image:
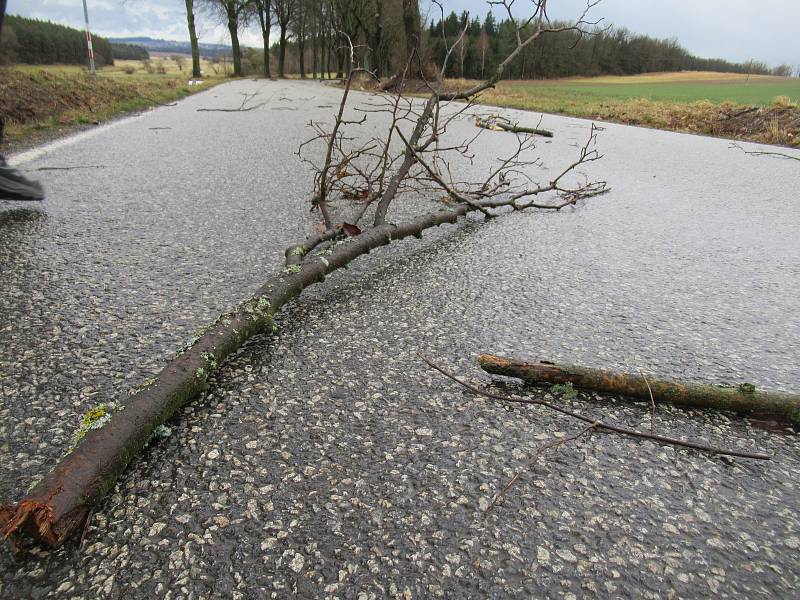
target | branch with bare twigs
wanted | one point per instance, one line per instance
(594, 422)
(356, 174)
(783, 155)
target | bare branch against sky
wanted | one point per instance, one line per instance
(736, 30)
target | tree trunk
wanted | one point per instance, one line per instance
(743, 399)
(267, 73)
(264, 20)
(314, 56)
(377, 52)
(327, 49)
(340, 65)
(233, 28)
(193, 39)
(412, 25)
(282, 53)
(301, 51)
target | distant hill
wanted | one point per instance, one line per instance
(173, 47)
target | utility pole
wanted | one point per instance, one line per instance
(90, 52)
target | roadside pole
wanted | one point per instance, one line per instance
(90, 52)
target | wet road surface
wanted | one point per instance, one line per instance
(328, 460)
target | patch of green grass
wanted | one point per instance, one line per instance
(565, 391)
(757, 92)
(694, 102)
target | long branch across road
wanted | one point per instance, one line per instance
(328, 457)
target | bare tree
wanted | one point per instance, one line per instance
(193, 39)
(299, 26)
(284, 13)
(412, 23)
(484, 44)
(358, 178)
(233, 13)
(263, 11)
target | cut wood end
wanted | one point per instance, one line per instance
(31, 517)
(490, 360)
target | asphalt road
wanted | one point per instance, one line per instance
(328, 460)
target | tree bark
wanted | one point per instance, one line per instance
(282, 52)
(412, 25)
(743, 399)
(193, 39)
(59, 504)
(265, 22)
(233, 28)
(314, 56)
(301, 53)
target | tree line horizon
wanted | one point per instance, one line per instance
(310, 43)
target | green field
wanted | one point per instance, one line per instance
(666, 87)
(688, 101)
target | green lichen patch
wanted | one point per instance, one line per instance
(565, 390)
(747, 388)
(162, 431)
(145, 384)
(292, 270)
(94, 418)
(298, 251)
(210, 361)
(258, 308)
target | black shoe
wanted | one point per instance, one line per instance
(15, 186)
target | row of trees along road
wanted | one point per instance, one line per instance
(383, 32)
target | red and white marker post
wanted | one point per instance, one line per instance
(90, 51)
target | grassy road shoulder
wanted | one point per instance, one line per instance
(751, 108)
(40, 103)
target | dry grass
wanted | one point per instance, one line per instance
(784, 102)
(38, 102)
(668, 77)
(671, 101)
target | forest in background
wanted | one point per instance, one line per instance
(32, 41)
(302, 38)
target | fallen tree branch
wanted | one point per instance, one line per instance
(71, 168)
(57, 505)
(354, 169)
(500, 124)
(599, 424)
(742, 399)
(764, 153)
(249, 108)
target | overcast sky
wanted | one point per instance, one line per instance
(737, 30)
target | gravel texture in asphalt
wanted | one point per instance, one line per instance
(327, 460)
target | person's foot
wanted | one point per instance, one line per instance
(15, 186)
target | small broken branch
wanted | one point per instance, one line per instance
(71, 168)
(249, 108)
(599, 424)
(764, 153)
(539, 451)
(499, 124)
(742, 399)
